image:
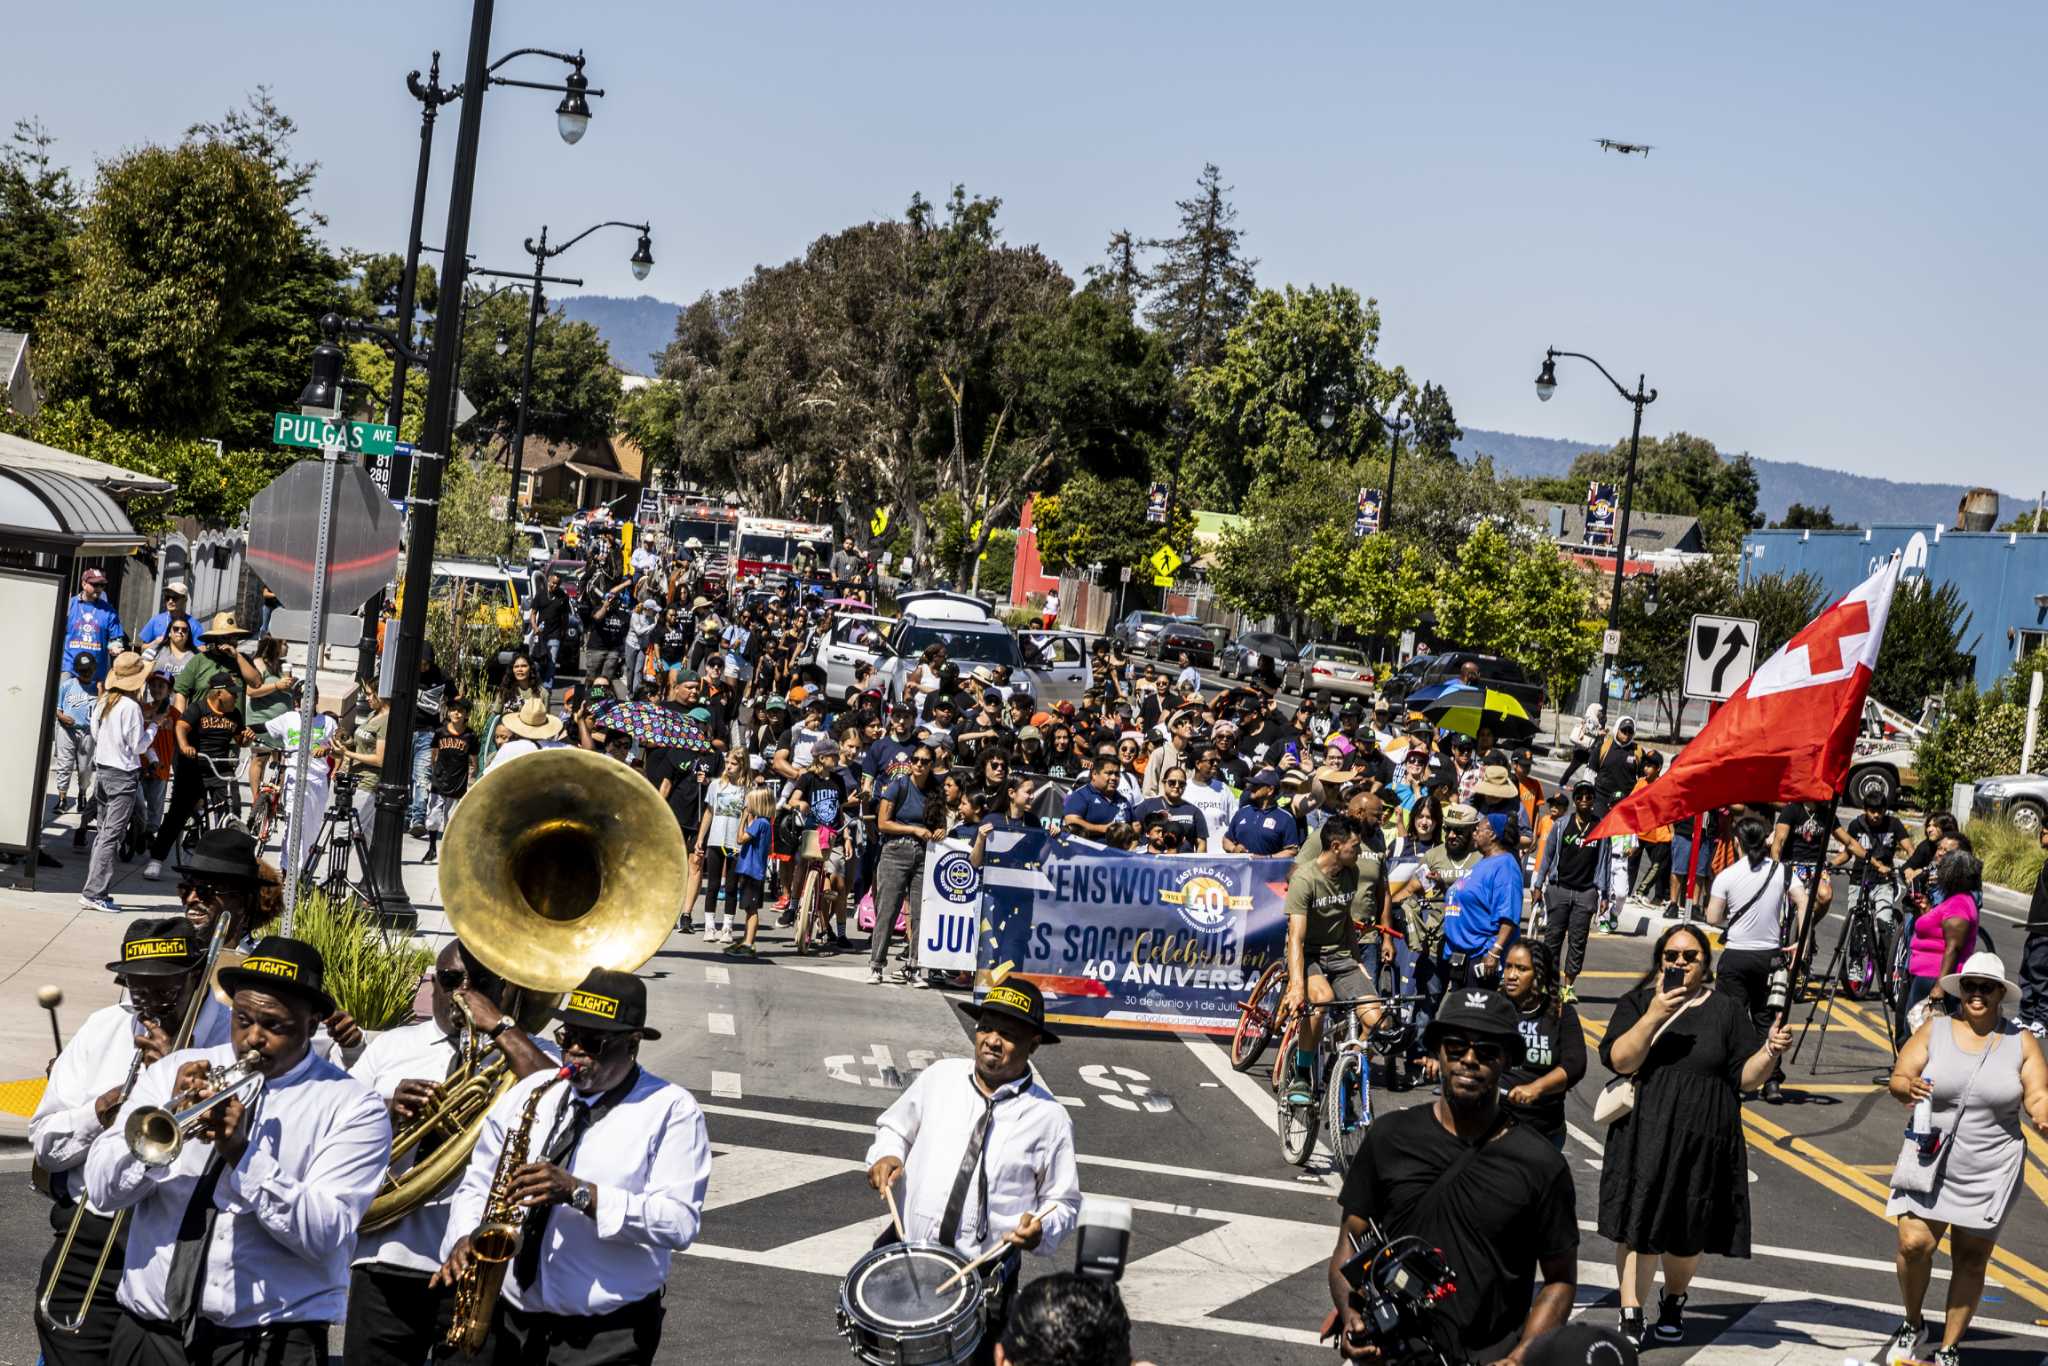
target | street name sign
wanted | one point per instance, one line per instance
(316, 433)
(1719, 654)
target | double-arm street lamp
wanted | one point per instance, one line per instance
(642, 262)
(1643, 397)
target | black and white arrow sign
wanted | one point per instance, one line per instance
(1720, 654)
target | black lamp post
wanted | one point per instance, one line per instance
(642, 262)
(1394, 427)
(438, 430)
(1643, 397)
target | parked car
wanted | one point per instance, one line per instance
(1179, 638)
(539, 542)
(1254, 651)
(1503, 675)
(2021, 798)
(1059, 665)
(829, 658)
(1322, 670)
(1139, 630)
(968, 628)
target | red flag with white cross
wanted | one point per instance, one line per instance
(1788, 732)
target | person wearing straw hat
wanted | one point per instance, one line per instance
(239, 1246)
(1969, 1081)
(215, 666)
(983, 1151)
(121, 737)
(159, 966)
(603, 1216)
(533, 727)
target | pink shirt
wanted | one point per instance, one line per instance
(1927, 937)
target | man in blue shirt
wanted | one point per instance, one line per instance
(92, 626)
(1260, 827)
(1482, 911)
(1093, 810)
(158, 626)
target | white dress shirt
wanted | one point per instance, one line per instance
(650, 1160)
(120, 737)
(1030, 1155)
(318, 1143)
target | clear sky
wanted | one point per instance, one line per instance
(1833, 255)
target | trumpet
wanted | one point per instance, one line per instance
(156, 1135)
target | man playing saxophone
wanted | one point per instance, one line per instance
(395, 1318)
(160, 967)
(244, 1217)
(614, 1187)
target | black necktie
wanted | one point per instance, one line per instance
(526, 1263)
(973, 1170)
(195, 1235)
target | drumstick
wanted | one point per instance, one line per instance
(998, 1250)
(895, 1215)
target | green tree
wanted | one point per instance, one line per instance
(575, 393)
(1554, 634)
(1092, 520)
(1374, 585)
(1656, 622)
(1781, 605)
(1978, 734)
(1800, 517)
(1680, 474)
(1473, 607)
(1922, 653)
(1203, 285)
(213, 487)
(651, 416)
(38, 219)
(368, 362)
(1436, 430)
(468, 525)
(378, 277)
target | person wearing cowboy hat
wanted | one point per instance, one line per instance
(1968, 1080)
(240, 1245)
(983, 1151)
(159, 965)
(533, 727)
(121, 739)
(604, 1216)
(1500, 1204)
(1498, 801)
(215, 666)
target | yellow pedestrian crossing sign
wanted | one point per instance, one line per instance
(879, 523)
(1164, 562)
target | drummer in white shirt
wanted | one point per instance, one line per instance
(239, 1247)
(983, 1148)
(159, 965)
(604, 1216)
(395, 1318)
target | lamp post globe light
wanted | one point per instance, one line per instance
(1643, 397)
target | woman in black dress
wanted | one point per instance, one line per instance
(1550, 1053)
(1674, 1180)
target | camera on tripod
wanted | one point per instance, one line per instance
(1396, 1285)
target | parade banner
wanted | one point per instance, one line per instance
(1600, 509)
(1155, 504)
(1368, 520)
(1132, 941)
(950, 908)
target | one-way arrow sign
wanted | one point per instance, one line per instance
(1720, 654)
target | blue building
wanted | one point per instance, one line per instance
(2002, 577)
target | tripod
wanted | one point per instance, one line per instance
(1833, 983)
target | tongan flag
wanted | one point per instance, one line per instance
(1788, 732)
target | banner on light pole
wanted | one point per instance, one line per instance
(1368, 520)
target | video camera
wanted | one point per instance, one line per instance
(1396, 1285)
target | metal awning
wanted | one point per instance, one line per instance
(19, 453)
(53, 511)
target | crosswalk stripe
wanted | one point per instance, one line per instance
(739, 1174)
(1189, 1281)
(720, 1022)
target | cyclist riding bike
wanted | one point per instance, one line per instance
(1873, 841)
(1322, 946)
(1800, 838)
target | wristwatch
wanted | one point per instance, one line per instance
(583, 1198)
(498, 1029)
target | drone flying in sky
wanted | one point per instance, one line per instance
(1610, 145)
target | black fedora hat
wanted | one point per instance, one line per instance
(158, 948)
(283, 967)
(609, 1002)
(224, 856)
(1013, 998)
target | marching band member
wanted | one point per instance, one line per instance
(240, 1244)
(603, 1216)
(394, 1317)
(159, 965)
(983, 1147)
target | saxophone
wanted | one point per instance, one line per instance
(496, 1239)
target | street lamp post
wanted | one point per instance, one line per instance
(1394, 427)
(438, 430)
(1643, 397)
(542, 253)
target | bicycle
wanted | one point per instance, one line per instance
(220, 808)
(1258, 1017)
(1865, 946)
(1340, 1079)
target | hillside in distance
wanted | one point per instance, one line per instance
(637, 330)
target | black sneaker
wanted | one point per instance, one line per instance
(1670, 1318)
(1774, 1092)
(1631, 1327)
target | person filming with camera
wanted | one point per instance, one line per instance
(1488, 1193)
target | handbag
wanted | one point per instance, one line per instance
(1618, 1097)
(1918, 1172)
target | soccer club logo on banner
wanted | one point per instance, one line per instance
(1203, 901)
(957, 879)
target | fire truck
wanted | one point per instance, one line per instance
(769, 545)
(714, 523)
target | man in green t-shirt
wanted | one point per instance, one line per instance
(1322, 944)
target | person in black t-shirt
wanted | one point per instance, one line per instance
(448, 771)
(1467, 1178)
(1800, 838)
(1614, 766)
(1549, 1057)
(1872, 845)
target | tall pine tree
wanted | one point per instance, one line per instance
(1204, 284)
(38, 218)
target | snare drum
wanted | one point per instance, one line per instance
(892, 1313)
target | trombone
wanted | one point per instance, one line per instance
(76, 1323)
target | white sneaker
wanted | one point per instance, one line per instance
(1904, 1344)
(875, 977)
(153, 870)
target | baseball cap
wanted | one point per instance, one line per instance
(1474, 1011)
(92, 576)
(1460, 816)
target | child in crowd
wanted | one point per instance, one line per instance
(448, 772)
(753, 864)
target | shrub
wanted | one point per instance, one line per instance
(373, 976)
(2012, 856)
(1979, 734)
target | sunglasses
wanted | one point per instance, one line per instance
(591, 1041)
(1979, 986)
(207, 891)
(1483, 1050)
(450, 979)
(1681, 955)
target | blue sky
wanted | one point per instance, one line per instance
(1833, 254)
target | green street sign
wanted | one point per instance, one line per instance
(314, 433)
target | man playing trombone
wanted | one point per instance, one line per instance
(248, 1167)
(395, 1318)
(160, 967)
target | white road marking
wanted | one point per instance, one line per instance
(718, 976)
(739, 1173)
(1885, 1312)
(726, 1085)
(1191, 1280)
(1128, 1164)
(1800, 1254)
(1245, 1089)
(720, 1022)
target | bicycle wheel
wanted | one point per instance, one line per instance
(1297, 1131)
(1283, 1064)
(1859, 959)
(1347, 1106)
(1258, 1018)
